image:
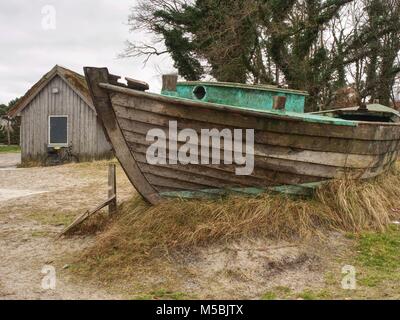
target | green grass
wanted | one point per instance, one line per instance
(380, 251)
(314, 295)
(379, 258)
(276, 293)
(269, 296)
(376, 258)
(53, 218)
(9, 149)
(40, 234)
(162, 294)
(285, 293)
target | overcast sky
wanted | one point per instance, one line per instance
(87, 33)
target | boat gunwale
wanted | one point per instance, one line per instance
(243, 86)
(286, 116)
(276, 114)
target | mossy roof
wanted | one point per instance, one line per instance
(76, 81)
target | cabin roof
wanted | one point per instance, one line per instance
(380, 108)
(372, 107)
(76, 81)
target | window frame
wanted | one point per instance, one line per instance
(49, 132)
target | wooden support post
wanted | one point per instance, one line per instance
(169, 82)
(111, 202)
(112, 188)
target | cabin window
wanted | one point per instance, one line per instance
(58, 131)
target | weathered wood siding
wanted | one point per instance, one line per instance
(84, 130)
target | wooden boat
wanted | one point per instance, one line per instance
(290, 148)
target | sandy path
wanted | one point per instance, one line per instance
(31, 202)
(8, 160)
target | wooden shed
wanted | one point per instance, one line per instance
(58, 112)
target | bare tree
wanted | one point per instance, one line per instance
(7, 128)
(320, 46)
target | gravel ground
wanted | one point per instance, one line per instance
(9, 160)
(34, 203)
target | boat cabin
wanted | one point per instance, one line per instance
(268, 98)
(259, 97)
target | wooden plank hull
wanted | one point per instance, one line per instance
(287, 150)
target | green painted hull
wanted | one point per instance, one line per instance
(306, 189)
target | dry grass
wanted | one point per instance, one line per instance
(94, 225)
(140, 234)
(30, 163)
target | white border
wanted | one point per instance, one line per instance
(48, 132)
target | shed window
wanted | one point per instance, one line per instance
(58, 130)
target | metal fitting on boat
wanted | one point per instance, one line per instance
(279, 103)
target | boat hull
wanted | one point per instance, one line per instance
(288, 151)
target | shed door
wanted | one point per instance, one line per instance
(58, 131)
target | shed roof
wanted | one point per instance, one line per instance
(76, 81)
